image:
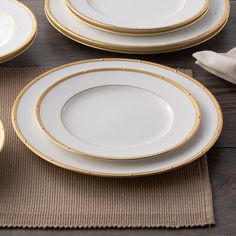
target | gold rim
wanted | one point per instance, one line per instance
(134, 49)
(123, 30)
(2, 136)
(23, 49)
(160, 51)
(28, 42)
(191, 159)
(178, 86)
(110, 31)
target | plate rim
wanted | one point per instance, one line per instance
(29, 41)
(136, 49)
(20, 51)
(172, 82)
(59, 164)
(127, 30)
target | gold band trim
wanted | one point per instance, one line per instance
(134, 49)
(178, 86)
(28, 42)
(57, 163)
(123, 30)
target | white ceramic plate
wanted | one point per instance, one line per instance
(68, 24)
(118, 113)
(26, 126)
(132, 16)
(18, 28)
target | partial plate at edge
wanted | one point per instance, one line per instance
(118, 113)
(18, 28)
(2, 136)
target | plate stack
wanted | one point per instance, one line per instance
(18, 29)
(131, 26)
(117, 117)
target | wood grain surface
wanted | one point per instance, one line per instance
(53, 49)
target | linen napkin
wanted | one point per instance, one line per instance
(222, 65)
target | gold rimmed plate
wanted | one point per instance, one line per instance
(152, 17)
(29, 132)
(118, 114)
(207, 27)
(18, 28)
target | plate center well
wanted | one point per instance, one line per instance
(137, 11)
(117, 116)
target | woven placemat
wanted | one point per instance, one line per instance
(37, 194)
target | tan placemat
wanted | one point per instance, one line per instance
(37, 194)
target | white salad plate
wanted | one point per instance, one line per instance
(68, 24)
(139, 16)
(26, 126)
(118, 113)
(18, 29)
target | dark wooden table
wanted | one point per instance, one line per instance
(53, 49)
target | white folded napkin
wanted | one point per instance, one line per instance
(222, 65)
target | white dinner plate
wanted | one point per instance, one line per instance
(139, 17)
(118, 113)
(18, 28)
(68, 24)
(26, 126)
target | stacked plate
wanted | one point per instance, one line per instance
(117, 117)
(131, 26)
(18, 29)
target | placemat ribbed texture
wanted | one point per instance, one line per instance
(37, 194)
